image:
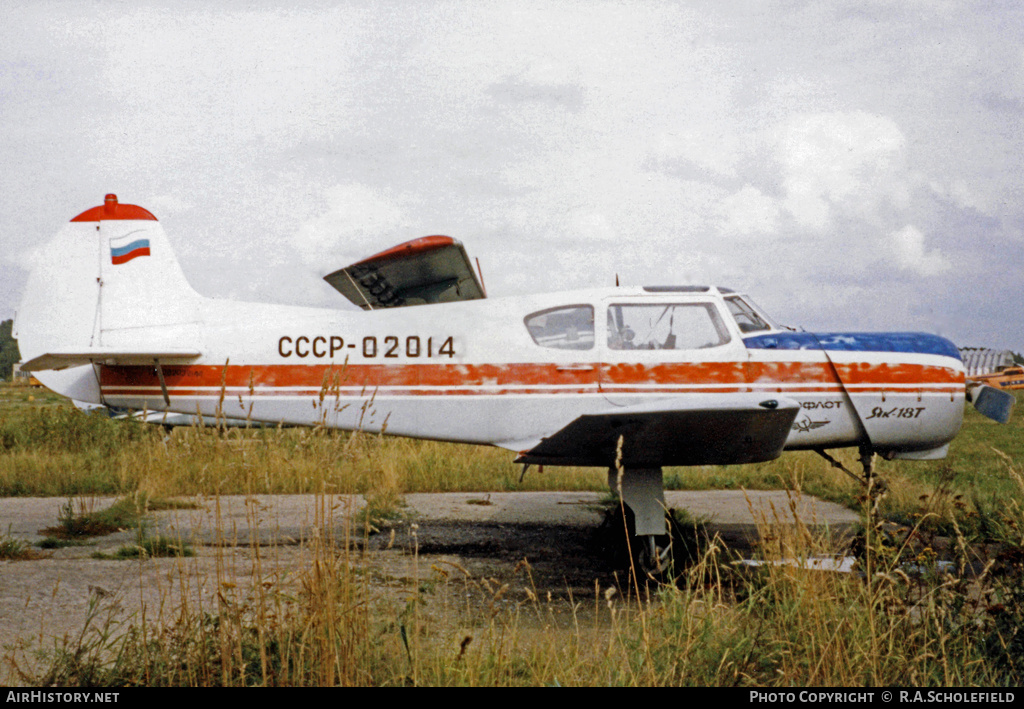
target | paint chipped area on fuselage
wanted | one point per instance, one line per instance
(844, 396)
(469, 379)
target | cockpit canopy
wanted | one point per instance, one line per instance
(747, 316)
(649, 324)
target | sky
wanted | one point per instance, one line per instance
(851, 165)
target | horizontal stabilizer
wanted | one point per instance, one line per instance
(106, 355)
(432, 269)
(673, 432)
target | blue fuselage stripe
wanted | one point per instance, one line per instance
(910, 342)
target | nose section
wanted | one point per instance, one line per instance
(906, 387)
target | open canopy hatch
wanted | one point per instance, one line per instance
(431, 269)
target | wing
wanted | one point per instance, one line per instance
(673, 432)
(62, 359)
(432, 269)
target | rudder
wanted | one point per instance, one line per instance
(108, 279)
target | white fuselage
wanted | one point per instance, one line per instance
(502, 371)
(472, 372)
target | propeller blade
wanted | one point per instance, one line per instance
(994, 403)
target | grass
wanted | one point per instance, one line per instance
(78, 521)
(58, 543)
(336, 622)
(50, 449)
(12, 549)
(149, 548)
(778, 626)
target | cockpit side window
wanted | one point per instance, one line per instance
(678, 326)
(745, 316)
(565, 328)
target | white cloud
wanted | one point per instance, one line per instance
(749, 211)
(963, 195)
(185, 85)
(166, 204)
(851, 162)
(357, 222)
(908, 249)
(562, 142)
(700, 147)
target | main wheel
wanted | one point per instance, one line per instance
(654, 557)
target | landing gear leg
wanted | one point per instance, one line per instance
(875, 487)
(642, 490)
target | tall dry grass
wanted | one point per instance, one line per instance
(780, 624)
(907, 621)
(898, 620)
(47, 449)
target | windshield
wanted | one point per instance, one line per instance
(746, 316)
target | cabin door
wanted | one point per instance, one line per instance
(661, 347)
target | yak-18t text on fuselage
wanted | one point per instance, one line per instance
(627, 378)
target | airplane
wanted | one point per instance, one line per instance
(629, 378)
(1006, 378)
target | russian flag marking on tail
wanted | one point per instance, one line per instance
(126, 252)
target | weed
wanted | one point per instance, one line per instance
(12, 549)
(148, 548)
(57, 543)
(77, 520)
(899, 620)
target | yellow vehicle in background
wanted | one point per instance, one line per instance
(20, 378)
(1009, 378)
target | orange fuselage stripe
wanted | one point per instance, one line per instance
(462, 378)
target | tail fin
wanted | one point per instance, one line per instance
(108, 281)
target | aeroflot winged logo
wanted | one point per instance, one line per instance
(125, 249)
